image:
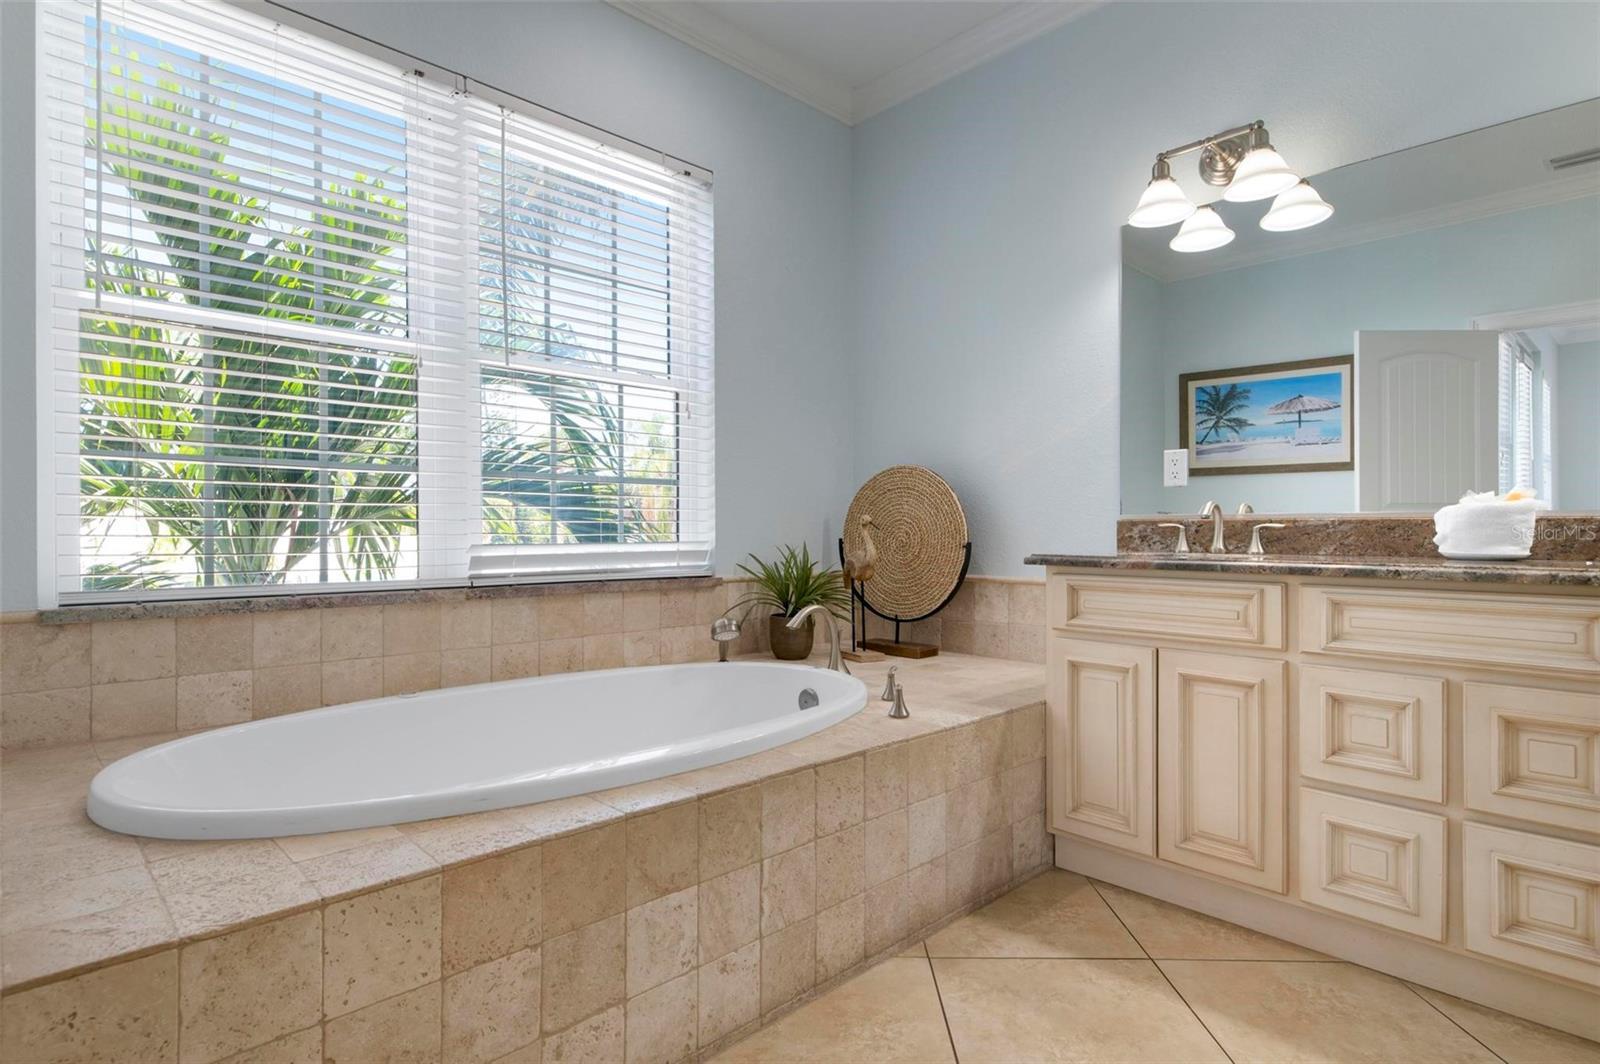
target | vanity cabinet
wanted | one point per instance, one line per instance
(1423, 761)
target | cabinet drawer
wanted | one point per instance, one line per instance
(1374, 861)
(1533, 753)
(1226, 612)
(1532, 900)
(1376, 730)
(1529, 632)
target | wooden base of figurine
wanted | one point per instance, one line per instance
(901, 650)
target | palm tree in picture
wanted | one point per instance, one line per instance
(1218, 410)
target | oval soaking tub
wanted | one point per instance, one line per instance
(463, 749)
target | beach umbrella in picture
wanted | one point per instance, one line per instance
(1300, 406)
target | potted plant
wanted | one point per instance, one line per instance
(786, 587)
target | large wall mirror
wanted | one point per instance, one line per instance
(1439, 333)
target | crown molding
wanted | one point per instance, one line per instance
(701, 28)
(1016, 24)
(1543, 194)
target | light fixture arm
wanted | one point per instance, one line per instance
(1258, 127)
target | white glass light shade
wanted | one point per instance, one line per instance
(1203, 231)
(1163, 203)
(1298, 207)
(1260, 174)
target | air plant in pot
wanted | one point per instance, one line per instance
(786, 587)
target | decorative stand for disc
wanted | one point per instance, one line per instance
(895, 647)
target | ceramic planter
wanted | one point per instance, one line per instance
(789, 644)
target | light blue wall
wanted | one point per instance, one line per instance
(782, 217)
(1577, 403)
(17, 268)
(1311, 306)
(988, 212)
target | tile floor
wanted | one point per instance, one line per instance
(1065, 969)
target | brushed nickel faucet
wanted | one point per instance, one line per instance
(1255, 536)
(835, 662)
(1213, 511)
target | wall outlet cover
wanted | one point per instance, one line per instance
(1174, 468)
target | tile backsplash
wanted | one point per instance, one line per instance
(111, 675)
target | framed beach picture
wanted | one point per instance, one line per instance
(1287, 417)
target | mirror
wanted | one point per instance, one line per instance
(1439, 333)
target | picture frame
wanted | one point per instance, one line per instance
(1279, 417)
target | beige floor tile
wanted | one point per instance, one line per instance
(1061, 1010)
(888, 1013)
(1516, 1040)
(1057, 914)
(1173, 932)
(1284, 1011)
(918, 950)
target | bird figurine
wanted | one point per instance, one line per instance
(860, 564)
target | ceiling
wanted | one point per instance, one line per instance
(853, 58)
(1488, 171)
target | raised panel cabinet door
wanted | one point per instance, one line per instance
(1532, 900)
(1533, 753)
(1221, 782)
(1102, 723)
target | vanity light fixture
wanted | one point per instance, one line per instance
(1204, 230)
(1297, 207)
(1163, 202)
(1261, 173)
(1243, 163)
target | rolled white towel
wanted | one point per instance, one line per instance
(1483, 523)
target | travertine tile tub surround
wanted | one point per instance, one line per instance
(654, 922)
(97, 673)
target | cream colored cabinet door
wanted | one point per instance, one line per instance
(1102, 742)
(1221, 741)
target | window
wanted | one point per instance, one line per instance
(1517, 359)
(317, 319)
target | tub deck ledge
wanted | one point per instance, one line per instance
(77, 897)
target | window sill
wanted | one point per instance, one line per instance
(206, 607)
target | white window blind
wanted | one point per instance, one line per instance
(1516, 449)
(318, 319)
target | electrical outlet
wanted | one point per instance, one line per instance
(1174, 468)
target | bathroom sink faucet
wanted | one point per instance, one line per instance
(1213, 511)
(835, 662)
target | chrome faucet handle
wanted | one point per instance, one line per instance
(1255, 536)
(1183, 535)
(891, 686)
(1245, 508)
(899, 711)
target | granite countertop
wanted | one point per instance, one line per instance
(1528, 572)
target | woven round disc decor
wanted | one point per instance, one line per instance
(920, 531)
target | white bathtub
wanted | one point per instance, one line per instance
(463, 750)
